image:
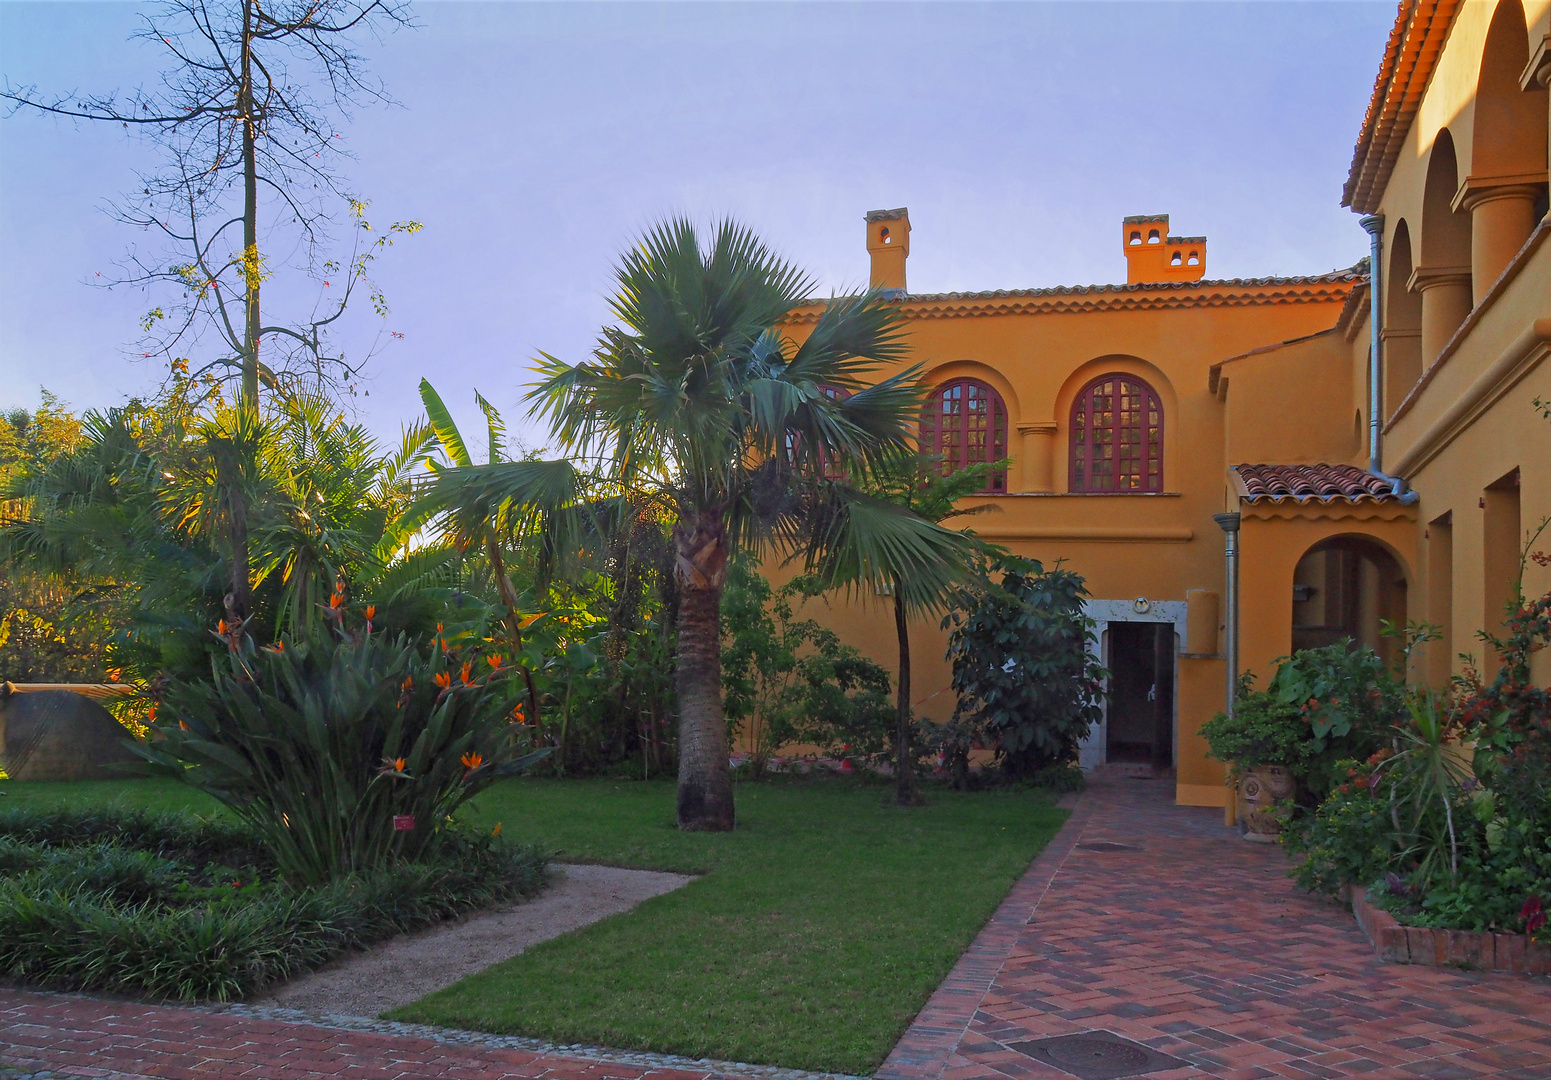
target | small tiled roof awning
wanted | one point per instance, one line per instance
(1302, 483)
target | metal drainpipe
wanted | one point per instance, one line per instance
(1229, 523)
(1373, 224)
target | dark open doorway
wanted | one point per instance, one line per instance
(1141, 694)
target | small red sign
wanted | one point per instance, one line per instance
(403, 822)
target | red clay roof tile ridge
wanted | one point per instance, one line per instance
(1301, 483)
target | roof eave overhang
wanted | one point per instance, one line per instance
(1411, 54)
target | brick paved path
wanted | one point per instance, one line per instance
(1198, 946)
(65, 1035)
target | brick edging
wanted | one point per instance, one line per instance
(1476, 950)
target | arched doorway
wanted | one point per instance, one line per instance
(1344, 588)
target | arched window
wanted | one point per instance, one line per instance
(1117, 436)
(966, 423)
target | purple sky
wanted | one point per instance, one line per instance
(535, 140)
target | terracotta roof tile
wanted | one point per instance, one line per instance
(1326, 483)
(1415, 42)
(1233, 292)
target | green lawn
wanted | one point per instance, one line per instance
(819, 928)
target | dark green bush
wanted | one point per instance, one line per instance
(1021, 666)
(1262, 731)
(99, 913)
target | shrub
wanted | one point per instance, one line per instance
(789, 680)
(1349, 700)
(1350, 839)
(1021, 665)
(106, 911)
(345, 750)
(1263, 730)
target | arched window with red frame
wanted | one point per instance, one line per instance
(965, 422)
(1117, 436)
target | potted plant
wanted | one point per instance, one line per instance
(1266, 744)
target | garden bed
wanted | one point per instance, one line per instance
(1475, 950)
(169, 906)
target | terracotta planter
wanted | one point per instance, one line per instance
(1261, 787)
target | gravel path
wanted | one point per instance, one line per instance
(406, 969)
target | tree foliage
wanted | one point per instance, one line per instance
(1021, 665)
(698, 401)
(245, 120)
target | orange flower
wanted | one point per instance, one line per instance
(371, 612)
(472, 760)
(408, 683)
(494, 662)
(518, 717)
(443, 679)
(438, 628)
(336, 600)
(466, 674)
(220, 628)
(497, 830)
(278, 646)
(152, 714)
(182, 725)
(399, 763)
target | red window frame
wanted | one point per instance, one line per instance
(966, 423)
(1116, 436)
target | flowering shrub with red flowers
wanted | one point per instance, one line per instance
(345, 749)
(1450, 825)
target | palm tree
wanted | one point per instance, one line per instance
(919, 485)
(697, 397)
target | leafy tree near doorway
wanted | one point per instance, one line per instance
(698, 398)
(1021, 665)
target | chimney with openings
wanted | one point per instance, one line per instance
(1153, 255)
(888, 243)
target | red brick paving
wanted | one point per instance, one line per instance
(1199, 946)
(88, 1037)
(1196, 945)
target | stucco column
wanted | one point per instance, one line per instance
(1502, 215)
(1039, 450)
(1446, 300)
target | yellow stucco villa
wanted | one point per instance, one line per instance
(1242, 468)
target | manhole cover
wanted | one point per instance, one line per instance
(1097, 1055)
(1104, 845)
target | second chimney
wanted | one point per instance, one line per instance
(1153, 255)
(888, 243)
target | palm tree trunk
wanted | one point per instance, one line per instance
(705, 780)
(513, 620)
(905, 793)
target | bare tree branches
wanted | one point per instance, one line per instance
(246, 117)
